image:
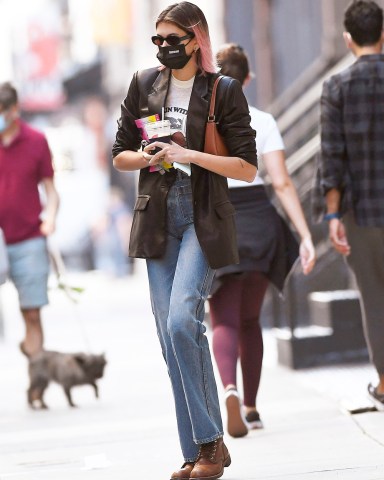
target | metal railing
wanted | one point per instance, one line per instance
(299, 126)
(298, 111)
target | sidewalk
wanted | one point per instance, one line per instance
(130, 432)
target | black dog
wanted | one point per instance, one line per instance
(67, 369)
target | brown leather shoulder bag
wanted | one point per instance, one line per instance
(214, 142)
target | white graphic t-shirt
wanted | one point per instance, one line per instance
(176, 110)
(176, 107)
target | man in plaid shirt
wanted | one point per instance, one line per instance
(352, 170)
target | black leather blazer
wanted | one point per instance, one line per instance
(213, 212)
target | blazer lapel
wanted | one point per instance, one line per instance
(197, 110)
(198, 113)
(158, 94)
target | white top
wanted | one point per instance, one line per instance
(176, 107)
(268, 139)
(176, 110)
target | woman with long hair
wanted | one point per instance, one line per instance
(183, 223)
(267, 252)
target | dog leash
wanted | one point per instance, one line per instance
(71, 292)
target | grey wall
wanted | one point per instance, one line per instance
(239, 26)
(296, 30)
(284, 38)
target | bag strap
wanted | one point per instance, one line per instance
(211, 114)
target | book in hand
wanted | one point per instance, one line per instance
(155, 130)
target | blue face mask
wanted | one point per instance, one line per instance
(3, 123)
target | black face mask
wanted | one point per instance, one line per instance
(175, 57)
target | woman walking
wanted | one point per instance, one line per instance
(183, 224)
(267, 252)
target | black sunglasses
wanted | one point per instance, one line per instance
(172, 39)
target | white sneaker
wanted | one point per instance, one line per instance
(236, 425)
(253, 420)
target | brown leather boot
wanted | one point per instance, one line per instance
(212, 459)
(184, 472)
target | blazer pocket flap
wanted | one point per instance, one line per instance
(141, 202)
(225, 209)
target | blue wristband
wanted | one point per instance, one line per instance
(330, 216)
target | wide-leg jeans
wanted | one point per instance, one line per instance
(179, 284)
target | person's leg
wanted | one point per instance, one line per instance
(367, 262)
(179, 284)
(191, 286)
(251, 343)
(251, 340)
(381, 384)
(225, 308)
(34, 338)
(29, 269)
(192, 282)
(161, 274)
(235, 310)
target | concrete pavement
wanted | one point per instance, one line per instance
(130, 432)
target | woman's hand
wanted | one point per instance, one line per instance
(170, 152)
(232, 167)
(307, 255)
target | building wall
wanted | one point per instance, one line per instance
(240, 28)
(296, 31)
(289, 42)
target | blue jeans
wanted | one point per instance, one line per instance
(179, 284)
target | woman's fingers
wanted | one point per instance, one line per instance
(170, 152)
(154, 145)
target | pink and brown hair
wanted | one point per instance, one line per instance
(190, 18)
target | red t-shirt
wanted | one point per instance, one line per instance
(23, 165)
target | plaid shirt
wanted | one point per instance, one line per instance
(352, 138)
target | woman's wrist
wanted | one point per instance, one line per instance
(193, 157)
(306, 237)
(146, 156)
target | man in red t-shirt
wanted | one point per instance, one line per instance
(26, 163)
